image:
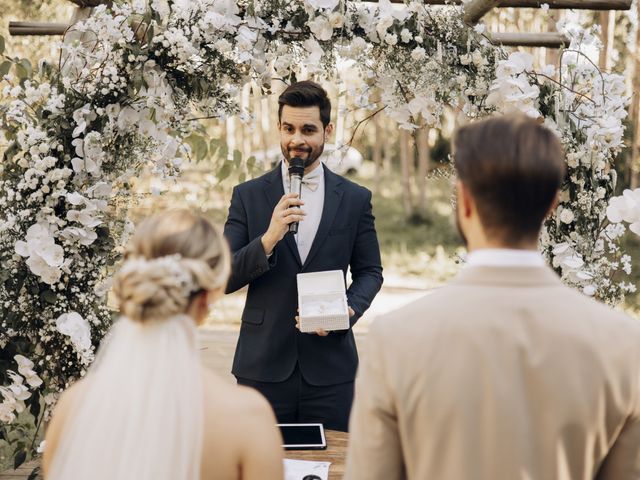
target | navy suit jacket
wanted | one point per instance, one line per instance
(269, 345)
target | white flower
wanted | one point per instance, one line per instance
(322, 4)
(480, 28)
(405, 35)
(321, 28)
(336, 20)
(41, 447)
(77, 328)
(589, 290)
(391, 39)
(25, 368)
(44, 256)
(567, 216)
(418, 54)
(6, 413)
(82, 117)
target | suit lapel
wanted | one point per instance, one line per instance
(275, 191)
(332, 197)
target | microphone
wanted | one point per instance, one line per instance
(296, 172)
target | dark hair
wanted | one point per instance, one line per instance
(513, 167)
(306, 94)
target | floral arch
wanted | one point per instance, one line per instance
(122, 98)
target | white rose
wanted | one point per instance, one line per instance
(405, 35)
(566, 216)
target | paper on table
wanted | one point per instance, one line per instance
(298, 469)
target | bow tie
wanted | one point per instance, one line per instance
(311, 181)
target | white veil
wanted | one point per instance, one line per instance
(141, 412)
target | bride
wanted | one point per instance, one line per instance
(148, 409)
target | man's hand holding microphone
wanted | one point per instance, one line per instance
(287, 213)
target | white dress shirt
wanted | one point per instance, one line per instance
(505, 257)
(313, 205)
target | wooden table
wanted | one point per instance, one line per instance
(336, 453)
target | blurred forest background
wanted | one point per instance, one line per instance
(409, 174)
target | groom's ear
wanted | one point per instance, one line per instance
(328, 130)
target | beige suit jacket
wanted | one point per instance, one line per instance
(504, 374)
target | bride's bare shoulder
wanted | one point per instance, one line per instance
(234, 397)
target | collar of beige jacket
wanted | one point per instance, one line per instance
(507, 276)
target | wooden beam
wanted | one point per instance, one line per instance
(548, 40)
(37, 28)
(476, 9)
(555, 4)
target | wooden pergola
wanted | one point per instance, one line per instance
(474, 11)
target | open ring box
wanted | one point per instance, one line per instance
(322, 301)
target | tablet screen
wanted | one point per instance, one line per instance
(303, 435)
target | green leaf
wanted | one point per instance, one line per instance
(21, 72)
(150, 33)
(19, 458)
(251, 162)
(35, 407)
(10, 152)
(27, 66)
(49, 297)
(237, 157)
(198, 146)
(1, 44)
(225, 170)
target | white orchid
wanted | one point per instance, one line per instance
(44, 256)
(321, 28)
(82, 117)
(73, 325)
(25, 368)
(626, 208)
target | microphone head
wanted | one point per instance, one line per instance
(296, 166)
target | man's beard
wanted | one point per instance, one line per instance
(311, 155)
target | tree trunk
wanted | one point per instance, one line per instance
(422, 141)
(406, 167)
(376, 148)
(387, 154)
(607, 23)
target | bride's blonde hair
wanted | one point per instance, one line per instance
(171, 257)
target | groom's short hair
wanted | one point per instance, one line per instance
(513, 166)
(306, 94)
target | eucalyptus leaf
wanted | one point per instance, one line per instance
(1, 44)
(5, 67)
(198, 146)
(225, 170)
(21, 71)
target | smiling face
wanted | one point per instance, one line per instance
(302, 134)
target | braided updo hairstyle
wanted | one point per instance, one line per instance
(172, 257)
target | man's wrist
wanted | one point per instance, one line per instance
(267, 244)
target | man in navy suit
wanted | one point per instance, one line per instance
(306, 377)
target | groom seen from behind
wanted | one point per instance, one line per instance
(306, 377)
(505, 373)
